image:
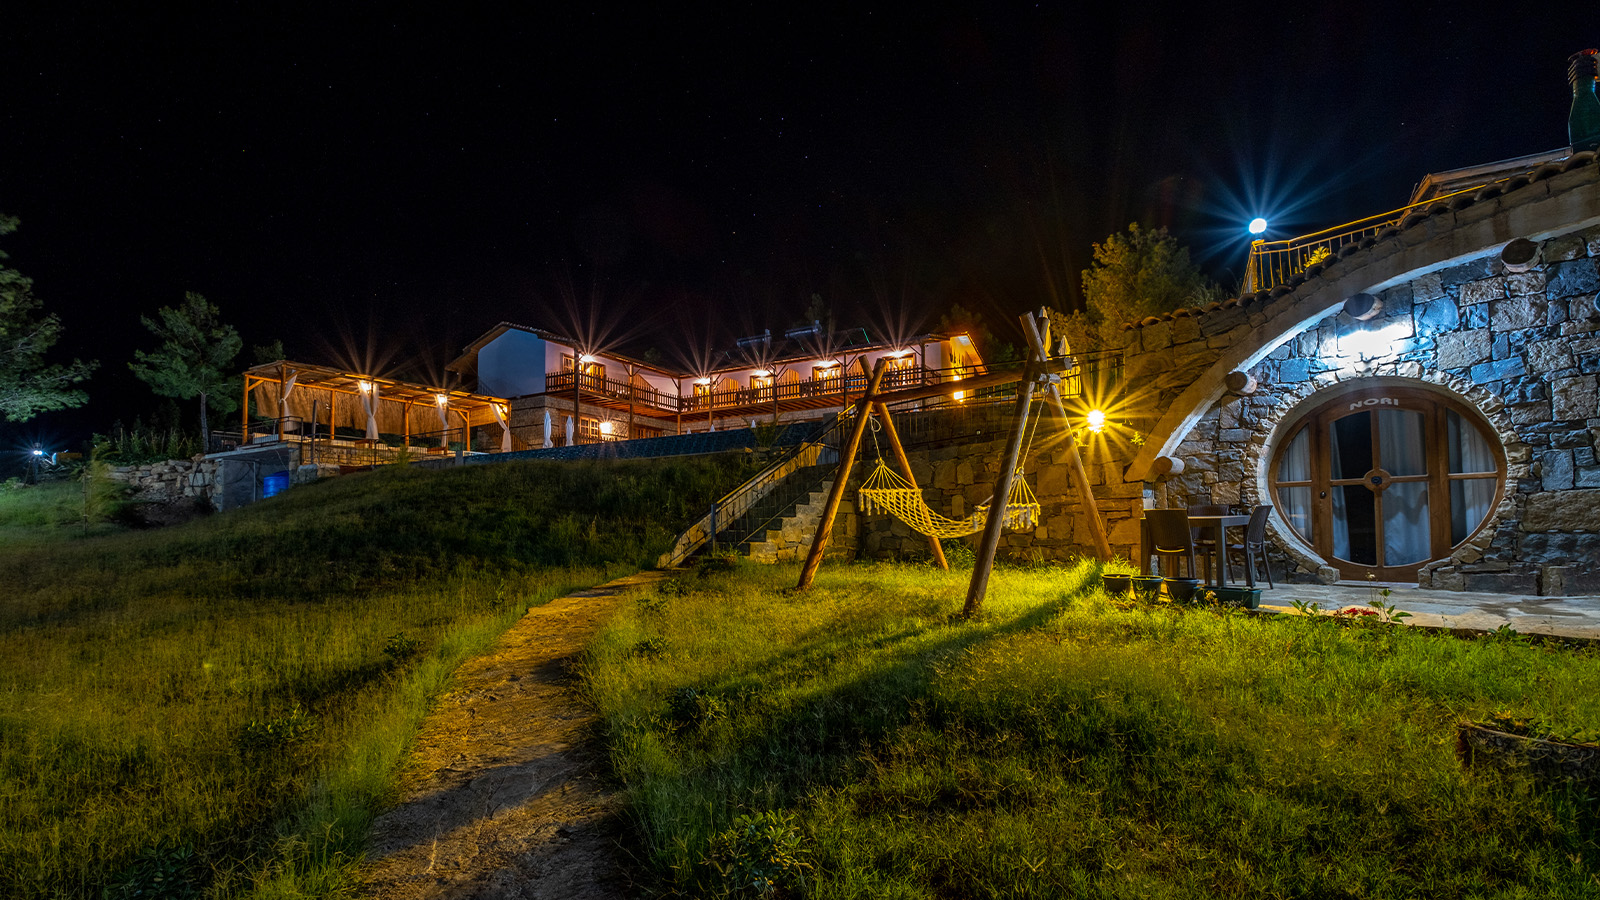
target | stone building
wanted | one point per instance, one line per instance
(1418, 398)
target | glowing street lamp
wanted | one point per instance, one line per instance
(1258, 225)
(1096, 421)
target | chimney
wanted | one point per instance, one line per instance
(1583, 122)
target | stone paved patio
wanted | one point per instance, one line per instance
(1566, 616)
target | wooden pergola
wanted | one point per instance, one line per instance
(346, 393)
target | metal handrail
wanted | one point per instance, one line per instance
(1273, 263)
(736, 502)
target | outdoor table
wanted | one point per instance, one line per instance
(1216, 526)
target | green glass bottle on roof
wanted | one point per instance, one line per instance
(1583, 123)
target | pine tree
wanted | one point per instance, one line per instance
(194, 358)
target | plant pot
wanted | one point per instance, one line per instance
(1117, 585)
(1181, 590)
(1146, 587)
(1249, 598)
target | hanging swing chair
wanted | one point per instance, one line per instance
(888, 492)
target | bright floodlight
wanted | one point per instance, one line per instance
(1096, 420)
(38, 452)
(1258, 225)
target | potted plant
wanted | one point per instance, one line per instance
(1181, 590)
(1247, 597)
(1147, 587)
(1117, 576)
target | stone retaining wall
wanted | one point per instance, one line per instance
(173, 479)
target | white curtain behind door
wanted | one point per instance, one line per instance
(1406, 534)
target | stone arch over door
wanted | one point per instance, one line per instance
(1184, 359)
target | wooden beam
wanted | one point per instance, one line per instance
(841, 478)
(244, 424)
(944, 389)
(1038, 339)
(905, 469)
(996, 519)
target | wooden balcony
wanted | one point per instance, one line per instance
(789, 396)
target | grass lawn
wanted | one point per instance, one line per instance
(859, 741)
(217, 709)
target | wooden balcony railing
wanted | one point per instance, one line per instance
(594, 386)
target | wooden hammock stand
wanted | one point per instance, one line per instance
(1039, 370)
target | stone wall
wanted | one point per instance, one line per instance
(958, 477)
(1521, 349)
(172, 480)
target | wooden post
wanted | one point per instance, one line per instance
(841, 478)
(244, 423)
(905, 469)
(1038, 340)
(1002, 492)
(577, 399)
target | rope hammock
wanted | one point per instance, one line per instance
(885, 491)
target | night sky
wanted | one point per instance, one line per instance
(378, 187)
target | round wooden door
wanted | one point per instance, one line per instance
(1382, 480)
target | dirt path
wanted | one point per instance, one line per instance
(501, 794)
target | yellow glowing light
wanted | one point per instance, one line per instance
(702, 381)
(760, 373)
(960, 395)
(366, 386)
(607, 427)
(441, 399)
(586, 358)
(1096, 420)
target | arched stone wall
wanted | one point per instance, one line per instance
(1182, 360)
(1522, 349)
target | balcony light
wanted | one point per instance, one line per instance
(900, 354)
(586, 358)
(441, 399)
(1096, 420)
(960, 395)
(963, 339)
(1258, 225)
(761, 373)
(607, 427)
(366, 386)
(702, 381)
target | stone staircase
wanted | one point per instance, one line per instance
(791, 538)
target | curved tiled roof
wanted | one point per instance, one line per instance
(1411, 220)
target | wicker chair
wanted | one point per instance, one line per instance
(1254, 548)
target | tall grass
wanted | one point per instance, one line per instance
(217, 709)
(857, 741)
